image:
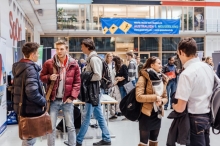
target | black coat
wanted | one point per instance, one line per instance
(33, 95)
(89, 90)
(180, 129)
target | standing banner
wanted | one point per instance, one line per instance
(140, 26)
(40, 58)
(3, 103)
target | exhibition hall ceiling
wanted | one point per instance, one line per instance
(45, 20)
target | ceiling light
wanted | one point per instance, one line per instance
(37, 2)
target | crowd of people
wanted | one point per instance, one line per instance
(184, 78)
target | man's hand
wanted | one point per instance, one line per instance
(68, 101)
(53, 77)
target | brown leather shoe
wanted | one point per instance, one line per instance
(153, 143)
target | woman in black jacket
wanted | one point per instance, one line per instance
(121, 75)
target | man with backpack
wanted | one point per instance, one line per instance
(95, 66)
(193, 92)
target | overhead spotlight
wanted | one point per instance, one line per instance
(37, 2)
(40, 12)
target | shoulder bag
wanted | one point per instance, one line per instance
(32, 127)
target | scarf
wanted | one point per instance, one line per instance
(156, 79)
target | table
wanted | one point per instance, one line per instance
(105, 100)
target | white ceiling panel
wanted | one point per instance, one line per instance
(47, 22)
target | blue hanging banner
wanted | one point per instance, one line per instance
(140, 26)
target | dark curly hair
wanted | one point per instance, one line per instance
(29, 48)
(118, 63)
(88, 43)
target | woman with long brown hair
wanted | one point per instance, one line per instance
(151, 91)
(121, 75)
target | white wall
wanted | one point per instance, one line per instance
(212, 43)
(7, 28)
(36, 36)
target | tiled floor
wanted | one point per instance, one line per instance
(126, 135)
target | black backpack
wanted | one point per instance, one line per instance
(129, 106)
(215, 106)
(106, 81)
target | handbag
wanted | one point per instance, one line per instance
(31, 127)
(128, 87)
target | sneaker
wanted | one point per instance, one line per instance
(77, 144)
(66, 142)
(113, 117)
(102, 142)
(124, 119)
(119, 114)
(165, 108)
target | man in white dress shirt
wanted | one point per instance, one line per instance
(194, 89)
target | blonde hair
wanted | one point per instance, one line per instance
(62, 42)
(106, 56)
(207, 61)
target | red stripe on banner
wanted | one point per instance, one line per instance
(186, 3)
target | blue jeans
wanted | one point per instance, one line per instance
(171, 88)
(122, 91)
(97, 110)
(67, 109)
(134, 82)
(29, 142)
(199, 129)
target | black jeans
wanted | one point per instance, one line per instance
(199, 129)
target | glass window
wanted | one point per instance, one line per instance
(104, 44)
(169, 13)
(154, 54)
(68, 16)
(82, 17)
(75, 44)
(138, 11)
(200, 43)
(190, 18)
(152, 12)
(144, 57)
(47, 42)
(149, 44)
(165, 57)
(124, 44)
(170, 44)
(199, 18)
(78, 56)
(185, 17)
(115, 11)
(95, 17)
(163, 12)
(156, 12)
(177, 14)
